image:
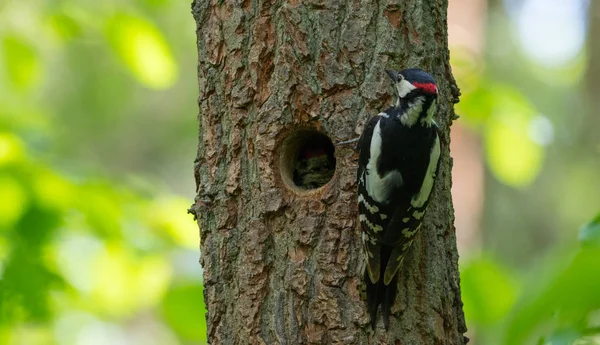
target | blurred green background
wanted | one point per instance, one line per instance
(98, 135)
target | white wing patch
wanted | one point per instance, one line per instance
(408, 233)
(418, 215)
(419, 200)
(374, 227)
(379, 187)
(371, 208)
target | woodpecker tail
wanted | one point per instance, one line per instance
(388, 300)
(380, 293)
(374, 291)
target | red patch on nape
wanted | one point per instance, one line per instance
(427, 87)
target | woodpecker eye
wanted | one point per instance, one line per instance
(400, 77)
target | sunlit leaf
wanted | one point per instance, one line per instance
(589, 235)
(13, 201)
(468, 72)
(100, 205)
(476, 106)
(53, 190)
(11, 148)
(22, 62)
(170, 217)
(5, 334)
(184, 311)
(64, 25)
(513, 156)
(29, 334)
(153, 277)
(4, 248)
(143, 49)
(123, 283)
(113, 288)
(488, 291)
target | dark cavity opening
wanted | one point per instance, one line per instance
(307, 160)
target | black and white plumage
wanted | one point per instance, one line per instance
(397, 165)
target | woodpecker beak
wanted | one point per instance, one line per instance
(392, 74)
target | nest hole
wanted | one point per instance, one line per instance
(307, 160)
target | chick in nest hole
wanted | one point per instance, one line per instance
(314, 168)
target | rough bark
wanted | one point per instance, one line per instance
(282, 264)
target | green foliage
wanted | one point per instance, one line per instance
(512, 154)
(23, 61)
(564, 302)
(544, 184)
(589, 235)
(555, 308)
(505, 118)
(93, 243)
(489, 291)
(143, 50)
(186, 299)
(49, 220)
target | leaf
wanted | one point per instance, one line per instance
(184, 310)
(22, 62)
(589, 234)
(513, 156)
(488, 291)
(169, 217)
(563, 301)
(564, 337)
(65, 26)
(143, 50)
(27, 280)
(13, 201)
(476, 107)
(52, 190)
(11, 148)
(124, 282)
(102, 208)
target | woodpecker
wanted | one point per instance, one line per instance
(399, 151)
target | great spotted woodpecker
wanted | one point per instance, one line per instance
(397, 165)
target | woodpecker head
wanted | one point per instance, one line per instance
(417, 95)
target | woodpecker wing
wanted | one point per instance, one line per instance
(408, 216)
(370, 215)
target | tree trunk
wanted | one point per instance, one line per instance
(281, 251)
